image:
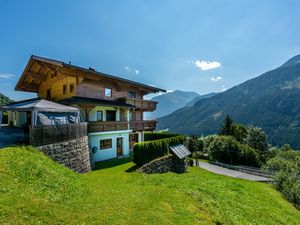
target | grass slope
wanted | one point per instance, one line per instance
(36, 190)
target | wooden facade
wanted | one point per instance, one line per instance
(56, 81)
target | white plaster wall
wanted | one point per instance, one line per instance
(17, 118)
(93, 113)
(100, 155)
(21, 118)
(11, 118)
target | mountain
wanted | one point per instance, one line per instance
(168, 103)
(4, 100)
(270, 101)
(191, 103)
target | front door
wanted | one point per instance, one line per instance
(119, 146)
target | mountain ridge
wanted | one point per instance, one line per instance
(169, 102)
(269, 101)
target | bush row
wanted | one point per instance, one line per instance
(147, 151)
(151, 136)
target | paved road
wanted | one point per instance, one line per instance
(231, 173)
(10, 136)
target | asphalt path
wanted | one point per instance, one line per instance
(231, 173)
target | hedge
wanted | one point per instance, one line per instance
(151, 136)
(147, 151)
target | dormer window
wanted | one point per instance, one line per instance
(131, 94)
(108, 92)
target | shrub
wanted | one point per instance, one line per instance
(257, 139)
(226, 149)
(151, 136)
(289, 184)
(147, 151)
(194, 144)
(287, 165)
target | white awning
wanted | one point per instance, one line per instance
(44, 112)
(39, 105)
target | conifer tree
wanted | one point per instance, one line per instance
(227, 128)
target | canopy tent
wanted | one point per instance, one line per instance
(44, 112)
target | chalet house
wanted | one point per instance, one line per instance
(112, 106)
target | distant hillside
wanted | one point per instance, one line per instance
(191, 103)
(168, 103)
(270, 101)
(4, 100)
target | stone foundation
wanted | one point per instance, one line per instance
(168, 163)
(73, 154)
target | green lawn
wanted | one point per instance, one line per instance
(35, 190)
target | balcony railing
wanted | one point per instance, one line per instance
(145, 105)
(146, 125)
(107, 126)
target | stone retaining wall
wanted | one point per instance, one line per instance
(168, 163)
(73, 154)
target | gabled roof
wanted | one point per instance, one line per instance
(51, 63)
(180, 151)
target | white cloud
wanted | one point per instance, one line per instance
(223, 88)
(6, 75)
(136, 71)
(207, 65)
(216, 78)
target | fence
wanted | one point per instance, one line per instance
(44, 135)
(247, 169)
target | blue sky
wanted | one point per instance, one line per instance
(202, 46)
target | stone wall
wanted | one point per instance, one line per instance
(168, 163)
(73, 154)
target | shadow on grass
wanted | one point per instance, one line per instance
(112, 163)
(132, 169)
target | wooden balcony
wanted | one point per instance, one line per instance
(146, 125)
(145, 105)
(107, 126)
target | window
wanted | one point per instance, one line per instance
(133, 137)
(108, 92)
(48, 94)
(130, 115)
(131, 94)
(105, 144)
(65, 89)
(72, 88)
(110, 115)
(99, 115)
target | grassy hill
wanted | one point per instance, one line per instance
(36, 190)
